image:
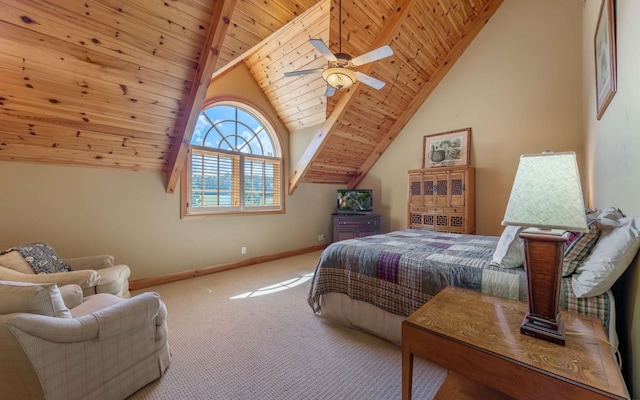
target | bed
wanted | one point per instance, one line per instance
(373, 283)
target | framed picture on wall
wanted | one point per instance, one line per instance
(605, 53)
(446, 149)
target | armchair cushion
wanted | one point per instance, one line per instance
(85, 278)
(72, 295)
(12, 259)
(42, 299)
(90, 262)
(42, 258)
(115, 280)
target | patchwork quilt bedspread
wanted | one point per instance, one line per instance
(399, 271)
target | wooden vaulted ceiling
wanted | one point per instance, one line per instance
(119, 83)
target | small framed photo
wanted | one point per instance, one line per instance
(447, 149)
(605, 52)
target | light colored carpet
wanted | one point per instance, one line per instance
(272, 346)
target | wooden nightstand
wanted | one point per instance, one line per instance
(477, 338)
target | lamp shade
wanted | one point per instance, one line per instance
(547, 193)
(339, 78)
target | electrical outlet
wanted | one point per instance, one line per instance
(320, 238)
(243, 250)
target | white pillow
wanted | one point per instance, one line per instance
(34, 298)
(510, 250)
(610, 213)
(617, 246)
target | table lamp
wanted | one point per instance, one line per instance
(547, 199)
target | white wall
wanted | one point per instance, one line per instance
(614, 141)
(518, 86)
(298, 142)
(613, 153)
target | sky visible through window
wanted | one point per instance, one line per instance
(230, 128)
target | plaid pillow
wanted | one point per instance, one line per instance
(579, 248)
(573, 236)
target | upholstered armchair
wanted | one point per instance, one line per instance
(94, 274)
(102, 347)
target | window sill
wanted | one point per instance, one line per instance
(191, 215)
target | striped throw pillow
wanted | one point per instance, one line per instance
(579, 249)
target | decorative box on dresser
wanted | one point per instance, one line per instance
(442, 199)
(351, 226)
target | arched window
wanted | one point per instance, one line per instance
(235, 162)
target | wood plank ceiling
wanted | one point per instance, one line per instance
(118, 83)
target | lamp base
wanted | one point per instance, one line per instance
(552, 331)
(543, 251)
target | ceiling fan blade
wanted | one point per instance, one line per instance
(302, 72)
(373, 55)
(323, 49)
(330, 91)
(370, 81)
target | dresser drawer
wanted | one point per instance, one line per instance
(357, 221)
(347, 226)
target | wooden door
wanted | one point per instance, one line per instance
(429, 192)
(415, 191)
(441, 189)
(457, 187)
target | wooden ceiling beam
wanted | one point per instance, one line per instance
(455, 53)
(216, 33)
(319, 140)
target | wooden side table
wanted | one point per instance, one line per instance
(477, 338)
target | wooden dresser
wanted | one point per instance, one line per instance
(442, 199)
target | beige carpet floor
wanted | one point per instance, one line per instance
(250, 334)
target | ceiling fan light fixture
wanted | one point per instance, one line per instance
(339, 78)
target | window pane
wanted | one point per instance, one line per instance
(253, 194)
(226, 173)
(213, 180)
(196, 181)
(228, 131)
(267, 145)
(202, 127)
(243, 145)
(213, 139)
(237, 134)
(248, 120)
(256, 146)
(219, 113)
(245, 132)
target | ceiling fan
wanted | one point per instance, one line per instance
(341, 73)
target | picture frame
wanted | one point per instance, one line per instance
(447, 149)
(604, 43)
